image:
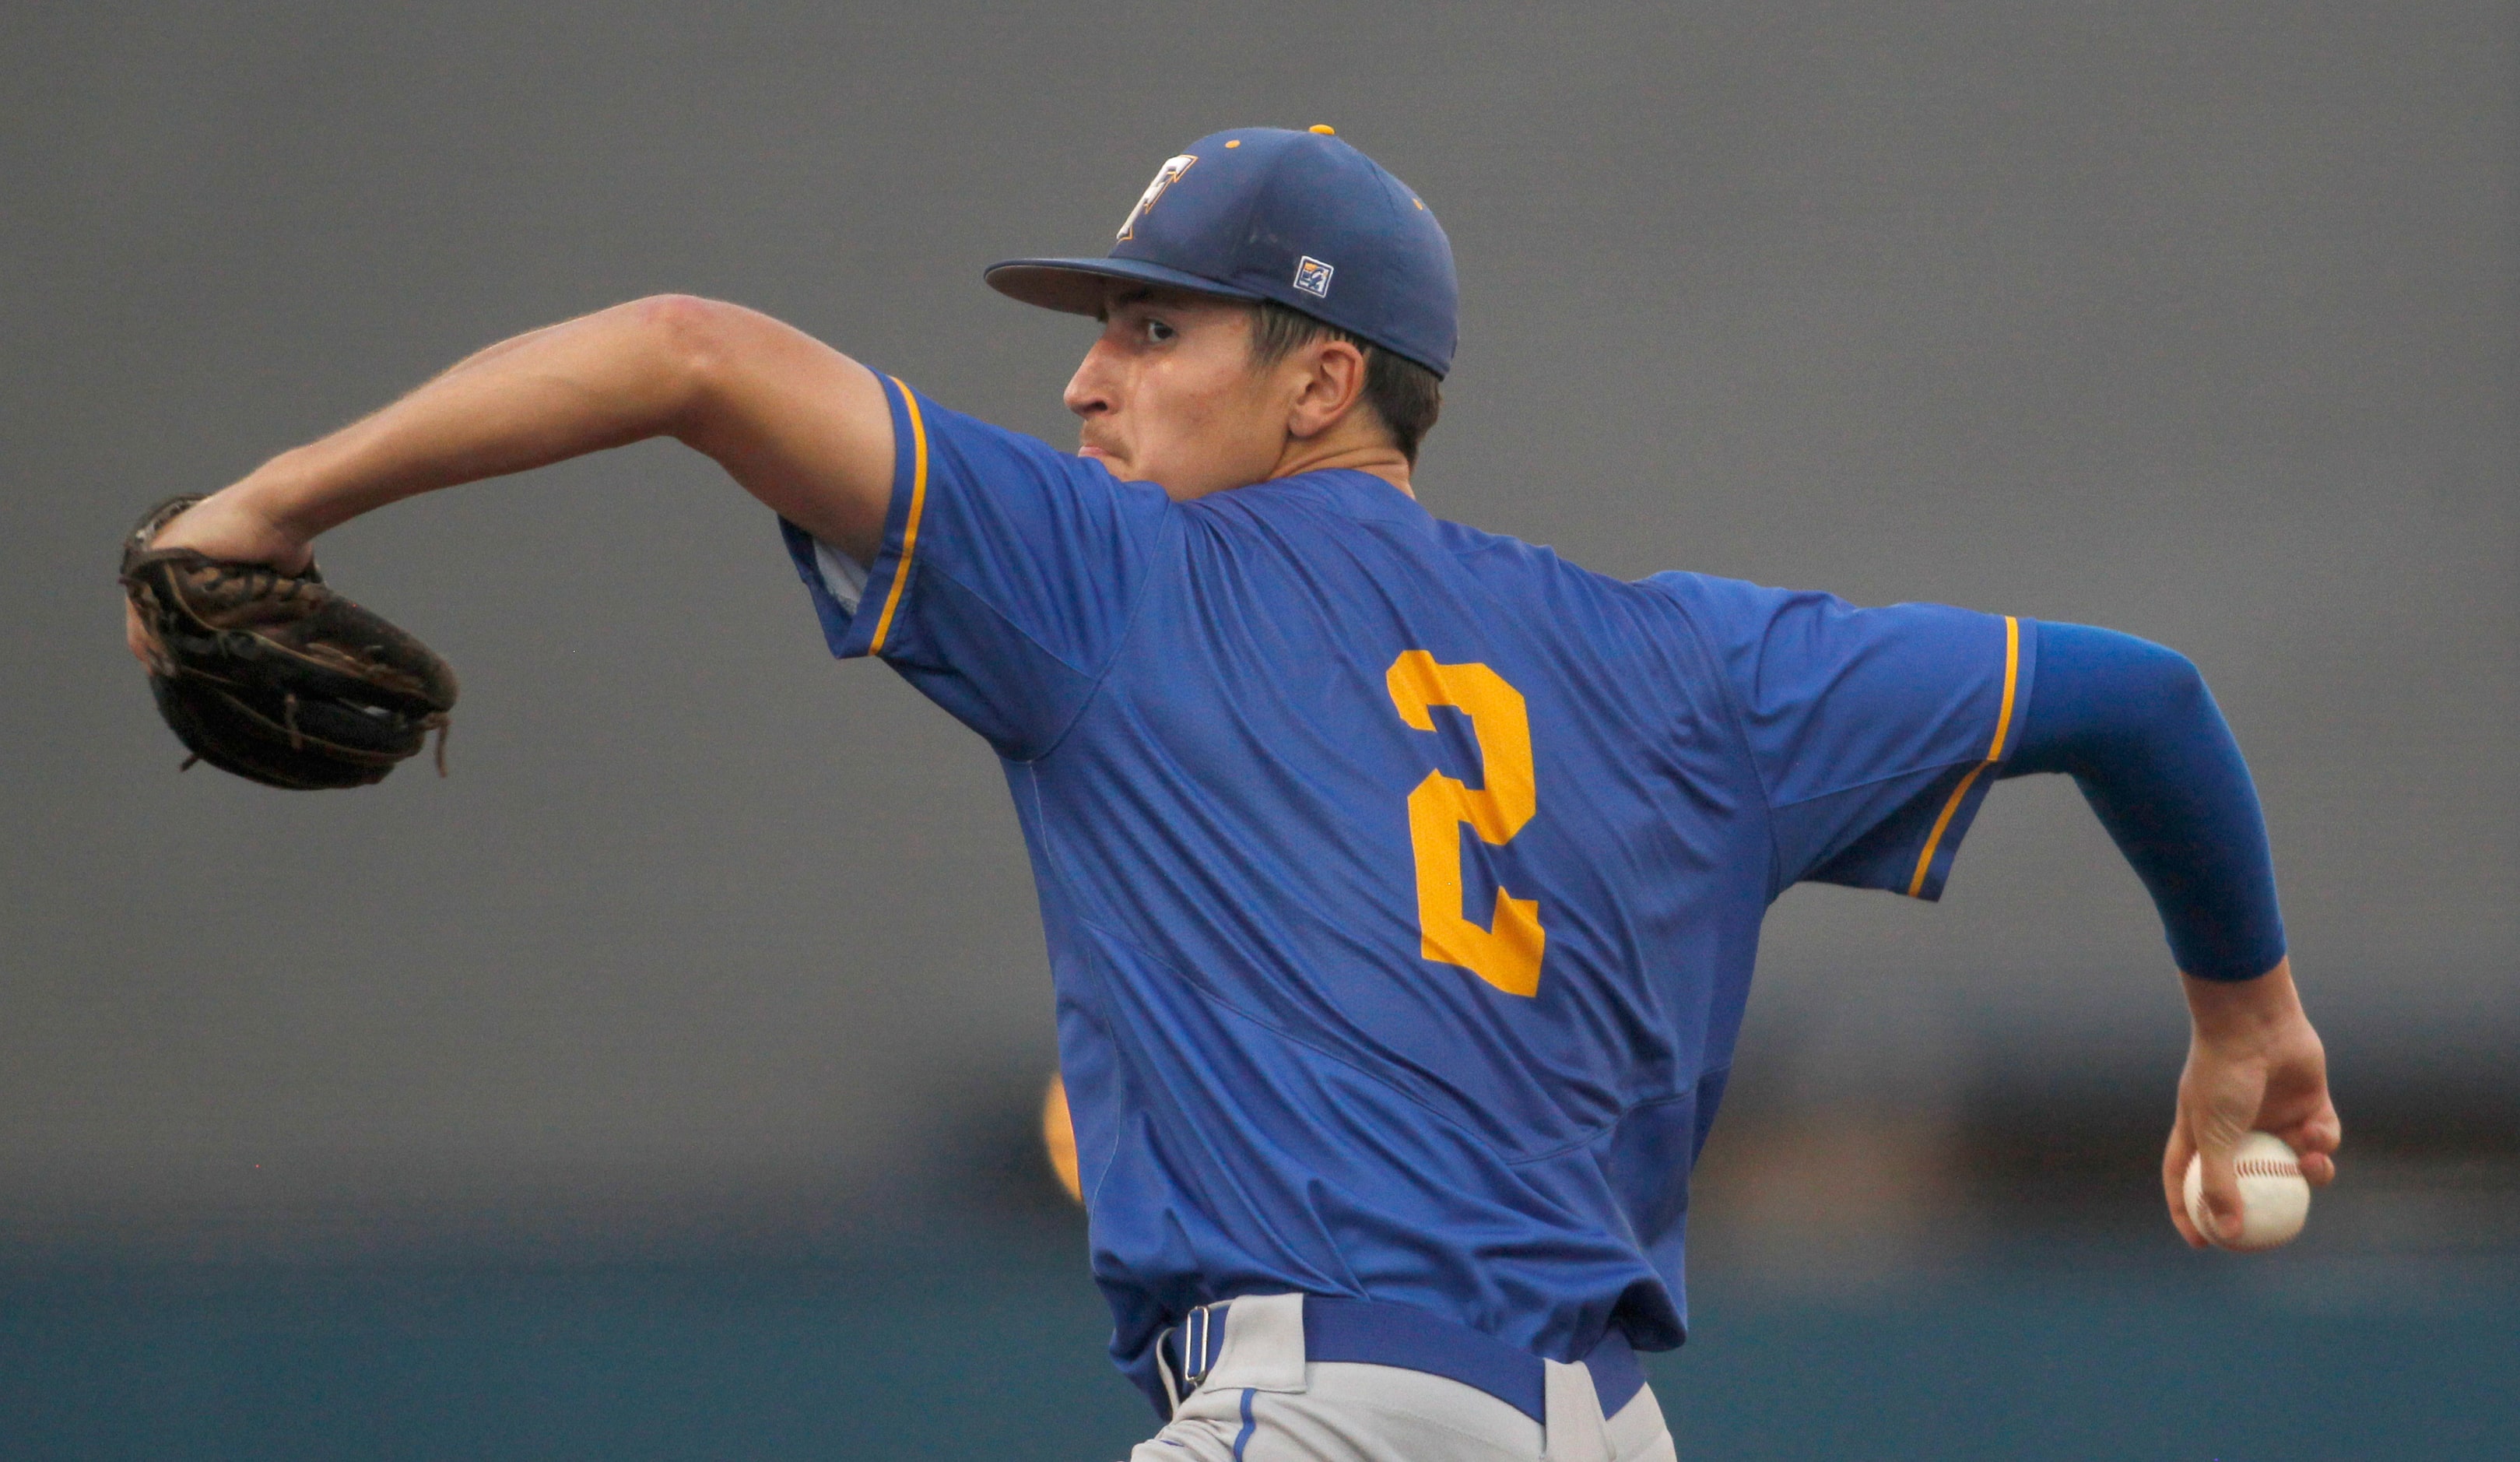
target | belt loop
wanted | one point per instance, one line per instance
(1574, 1430)
(1203, 1342)
(1199, 1344)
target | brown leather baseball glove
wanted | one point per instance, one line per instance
(275, 677)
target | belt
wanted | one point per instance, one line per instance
(1395, 1335)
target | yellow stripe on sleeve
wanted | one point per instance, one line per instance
(919, 504)
(2011, 678)
(1994, 753)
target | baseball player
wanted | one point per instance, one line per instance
(1401, 882)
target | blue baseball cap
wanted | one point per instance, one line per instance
(1267, 214)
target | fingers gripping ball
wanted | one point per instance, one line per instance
(272, 675)
(2275, 1198)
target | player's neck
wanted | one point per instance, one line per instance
(1375, 458)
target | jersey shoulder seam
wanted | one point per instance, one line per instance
(1740, 734)
(1093, 679)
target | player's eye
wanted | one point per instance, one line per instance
(1157, 332)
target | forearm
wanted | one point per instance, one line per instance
(796, 424)
(604, 380)
(2136, 727)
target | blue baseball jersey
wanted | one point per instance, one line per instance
(1402, 881)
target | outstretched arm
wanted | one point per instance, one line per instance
(798, 425)
(2134, 726)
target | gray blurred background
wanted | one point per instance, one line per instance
(2198, 322)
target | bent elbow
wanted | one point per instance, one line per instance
(687, 316)
(2169, 685)
(2102, 695)
(2131, 679)
(686, 339)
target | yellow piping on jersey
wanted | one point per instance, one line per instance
(1994, 753)
(919, 503)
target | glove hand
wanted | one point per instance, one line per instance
(2254, 1063)
(258, 667)
(222, 526)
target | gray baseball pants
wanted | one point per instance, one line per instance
(1263, 1402)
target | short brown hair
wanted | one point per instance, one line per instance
(1405, 396)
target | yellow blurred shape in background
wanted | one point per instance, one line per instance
(1059, 1135)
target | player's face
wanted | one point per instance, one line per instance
(1169, 395)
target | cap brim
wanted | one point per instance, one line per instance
(1078, 286)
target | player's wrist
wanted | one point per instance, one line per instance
(2229, 1011)
(298, 495)
(245, 522)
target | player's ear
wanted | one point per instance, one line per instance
(1331, 386)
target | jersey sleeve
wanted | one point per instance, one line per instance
(1005, 578)
(1874, 733)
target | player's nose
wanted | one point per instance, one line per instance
(1089, 392)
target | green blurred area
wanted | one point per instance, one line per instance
(988, 1343)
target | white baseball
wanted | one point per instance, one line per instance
(2275, 1198)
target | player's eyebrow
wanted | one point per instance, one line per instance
(1122, 300)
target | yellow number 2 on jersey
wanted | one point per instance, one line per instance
(1507, 954)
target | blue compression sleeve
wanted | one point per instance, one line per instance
(2136, 727)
